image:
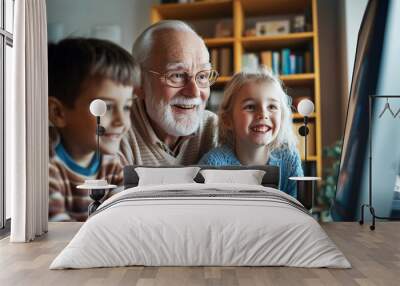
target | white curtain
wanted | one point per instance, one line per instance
(26, 124)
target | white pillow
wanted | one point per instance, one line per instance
(163, 176)
(249, 177)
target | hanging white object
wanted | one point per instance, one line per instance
(305, 107)
(98, 107)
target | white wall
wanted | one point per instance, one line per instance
(79, 17)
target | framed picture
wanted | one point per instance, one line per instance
(272, 27)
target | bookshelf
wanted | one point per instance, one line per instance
(240, 13)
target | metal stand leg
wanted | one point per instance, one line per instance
(372, 211)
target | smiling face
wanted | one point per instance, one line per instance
(79, 131)
(256, 114)
(175, 111)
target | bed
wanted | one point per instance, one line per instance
(201, 224)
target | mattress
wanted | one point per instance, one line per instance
(201, 225)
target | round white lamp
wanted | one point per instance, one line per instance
(305, 107)
(98, 107)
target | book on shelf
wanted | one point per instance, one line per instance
(285, 61)
(266, 59)
(276, 62)
(292, 64)
(221, 60)
(225, 61)
(308, 62)
(311, 150)
(299, 62)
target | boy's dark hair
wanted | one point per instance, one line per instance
(74, 61)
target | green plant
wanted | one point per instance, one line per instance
(331, 172)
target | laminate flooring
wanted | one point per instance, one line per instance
(374, 255)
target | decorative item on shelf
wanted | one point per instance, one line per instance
(97, 188)
(275, 27)
(306, 184)
(386, 108)
(223, 29)
(299, 23)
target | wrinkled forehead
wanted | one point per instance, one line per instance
(178, 50)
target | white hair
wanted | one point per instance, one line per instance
(285, 137)
(143, 44)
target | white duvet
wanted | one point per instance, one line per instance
(184, 230)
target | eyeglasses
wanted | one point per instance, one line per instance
(204, 78)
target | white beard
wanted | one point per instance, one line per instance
(178, 125)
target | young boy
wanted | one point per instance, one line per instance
(81, 70)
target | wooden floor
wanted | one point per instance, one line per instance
(374, 255)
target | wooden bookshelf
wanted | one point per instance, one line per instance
(239, 11)
(291, 80)
(192, 11)
(222, 80)
(276, 41)
(218, 42)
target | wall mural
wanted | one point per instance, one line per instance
(159, 112)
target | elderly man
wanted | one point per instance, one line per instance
(170, 125)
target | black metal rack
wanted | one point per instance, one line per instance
(369, 205)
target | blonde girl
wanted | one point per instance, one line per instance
(255, 127)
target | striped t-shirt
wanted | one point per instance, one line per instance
(66, 202)
(141, 145)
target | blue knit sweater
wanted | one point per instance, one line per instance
(288, 161)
